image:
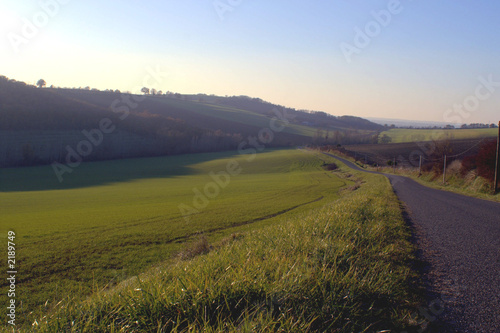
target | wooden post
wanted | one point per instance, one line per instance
(420, 166)
(497, 166)
(444, 170)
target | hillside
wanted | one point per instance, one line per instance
(311, 118)
(40, 126)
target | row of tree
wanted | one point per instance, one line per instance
(478, 125)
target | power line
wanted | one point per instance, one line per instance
(456, 155)
(477, 144)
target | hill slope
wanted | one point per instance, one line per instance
(40, 126)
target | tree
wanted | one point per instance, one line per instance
(385, 139)
(153, 92)
(41, 83)
(145, 90)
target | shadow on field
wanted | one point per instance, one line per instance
(41, 178)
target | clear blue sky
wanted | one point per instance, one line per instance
(420, 64)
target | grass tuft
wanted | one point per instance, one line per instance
(196, 248)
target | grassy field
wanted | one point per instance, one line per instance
(343, 266)
(109, 221)
(417, 135)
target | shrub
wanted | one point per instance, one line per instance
(468, 164)
(454, 168)
(331, 166)
(483, 162)
(486, 159)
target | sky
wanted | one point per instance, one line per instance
(402, 59)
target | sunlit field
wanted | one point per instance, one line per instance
(417, 135)
(109, 221)
(343, 266)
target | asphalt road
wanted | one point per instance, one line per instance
(459, 239)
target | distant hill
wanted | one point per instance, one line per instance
(308, 118)
(43, 125)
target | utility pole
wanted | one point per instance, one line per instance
(497, 166)
(444, 170)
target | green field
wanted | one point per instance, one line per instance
(415, 135)
(342, 266)
(109, 221)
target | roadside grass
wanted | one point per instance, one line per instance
(344, 266)
(109, 221)
(400, 135)
(470, 184)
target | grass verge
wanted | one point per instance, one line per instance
(344, 267)
(471, 185)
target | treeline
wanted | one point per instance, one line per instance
(38, 125)
(326, 137)
(478, 125)
(464, 126)
(46, 125)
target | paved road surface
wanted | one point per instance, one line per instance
(459, 237)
